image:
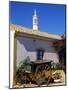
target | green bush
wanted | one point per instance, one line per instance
(57, 66)
(20, 72)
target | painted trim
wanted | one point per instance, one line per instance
(14, 63)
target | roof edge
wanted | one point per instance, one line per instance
(22, 29)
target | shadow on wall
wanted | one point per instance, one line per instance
(33, 44)
(24, 63)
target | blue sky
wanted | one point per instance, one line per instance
(51, 16)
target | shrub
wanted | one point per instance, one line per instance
(20, 72)
(56, 66)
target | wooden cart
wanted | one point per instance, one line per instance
(40, 72)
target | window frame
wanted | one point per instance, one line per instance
(40, 54)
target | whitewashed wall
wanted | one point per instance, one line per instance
(28, 46)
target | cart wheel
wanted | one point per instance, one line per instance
(43, 71)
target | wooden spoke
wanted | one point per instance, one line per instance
(44, 71)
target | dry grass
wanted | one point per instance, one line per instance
(62, 74)
(62, 81)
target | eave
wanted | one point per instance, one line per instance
(26, 31)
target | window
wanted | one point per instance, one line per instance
(40, 54)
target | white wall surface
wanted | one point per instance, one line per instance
(28, 47)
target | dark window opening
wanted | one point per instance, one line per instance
(40, 54)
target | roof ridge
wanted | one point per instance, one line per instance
(31, 31)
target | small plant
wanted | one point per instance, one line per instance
(21, 76)
(56, 66)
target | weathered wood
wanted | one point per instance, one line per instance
(42, 74)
